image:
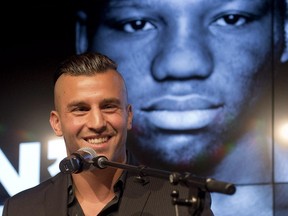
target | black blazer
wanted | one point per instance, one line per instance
(151, 198)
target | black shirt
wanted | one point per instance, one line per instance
(74, 208)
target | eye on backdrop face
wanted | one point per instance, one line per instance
(190, 66)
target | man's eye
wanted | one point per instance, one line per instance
(109, 107)
(136, 25)
(232, 20)
(80, 109)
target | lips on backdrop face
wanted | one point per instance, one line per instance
(190, 112)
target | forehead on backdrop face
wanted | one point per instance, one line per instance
(92, 6)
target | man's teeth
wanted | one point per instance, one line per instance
(97, 141)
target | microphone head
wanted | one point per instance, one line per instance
(78, 161)
(90, 151)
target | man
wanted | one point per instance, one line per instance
(199, 74)
(92, 110)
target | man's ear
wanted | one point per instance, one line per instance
(284, 56)
(55, 123)
(81, 41)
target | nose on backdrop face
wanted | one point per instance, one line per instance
(182, 57)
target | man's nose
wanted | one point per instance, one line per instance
(96, 121)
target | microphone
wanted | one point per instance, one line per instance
(78, 161)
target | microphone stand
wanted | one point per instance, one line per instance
(186, 179)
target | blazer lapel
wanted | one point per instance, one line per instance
(55, 200)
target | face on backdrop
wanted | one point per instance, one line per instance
(193, 69)
(92, 111)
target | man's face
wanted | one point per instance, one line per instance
(193, 68)
(92, 111)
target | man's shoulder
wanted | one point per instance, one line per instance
(41, 188)
(153, 195)
(38, 192)
(33, 201)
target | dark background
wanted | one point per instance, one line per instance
(35, 37)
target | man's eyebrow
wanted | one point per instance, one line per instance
(111, 100)
(76, 103)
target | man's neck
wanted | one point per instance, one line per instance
(94, 189)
